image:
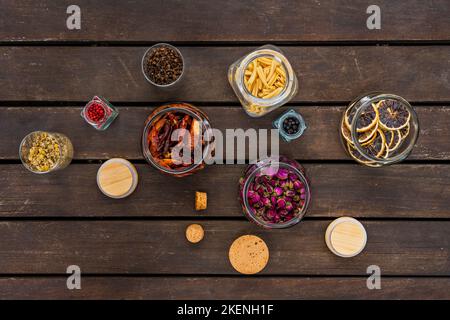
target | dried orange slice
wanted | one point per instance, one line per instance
(377, 147)
(345, 131)
(370, 141)
(389, 136)
(393, 115)
(367, 119)
(367, 136)
(348, 116)
(394, 141)
(405, 131)
(354, 153)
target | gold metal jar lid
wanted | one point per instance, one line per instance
(117, 178)
(346, 237)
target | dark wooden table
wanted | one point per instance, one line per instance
(135, 248)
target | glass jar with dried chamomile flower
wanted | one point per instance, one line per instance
(44, 152)
(263, 80)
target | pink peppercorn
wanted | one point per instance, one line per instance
(95, 112)
(99, 113)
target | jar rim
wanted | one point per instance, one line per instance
(176, 107)
(251, 177)
(414, 122)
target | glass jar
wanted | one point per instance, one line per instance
(158, 144)
(379, 129)
(298, 128)
(99, 113)
(144, 61)
(43, 152)
(258, 106)
(275, 192)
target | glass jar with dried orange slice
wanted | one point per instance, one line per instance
(379, 129)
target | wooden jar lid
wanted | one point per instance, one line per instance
(346, 237)
(117, 178)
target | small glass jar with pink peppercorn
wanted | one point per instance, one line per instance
(99, 113)
(275, 192)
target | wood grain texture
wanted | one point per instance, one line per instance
(326, 74)
(321, 140)
(160, 247)
(204, 20)
(402, 191)
(245, 288)
(142, 252)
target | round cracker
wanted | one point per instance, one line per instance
(249, 254)
(195, 233)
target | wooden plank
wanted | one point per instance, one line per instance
(406, 248)
(402, 191)
(224, 288)
(321, 141)
(325, 73)
(235, 20)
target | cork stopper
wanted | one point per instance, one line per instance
(248, 254)
(117, 178)
(346, 237)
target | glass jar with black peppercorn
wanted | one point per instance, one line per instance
(163, 65)
(290, 124)
(99, 113)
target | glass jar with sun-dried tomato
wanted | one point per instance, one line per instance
(379, 129)
(177, 139)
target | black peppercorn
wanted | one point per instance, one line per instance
(291, 125)
(163, 65)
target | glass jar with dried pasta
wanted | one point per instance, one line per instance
(263, 80)
(44, 152)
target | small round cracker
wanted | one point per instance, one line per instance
(195, 233)
(249, 254)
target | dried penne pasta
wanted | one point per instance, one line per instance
(274, 93)
(264, 78)
(255, 90)
(272, 69)
(281, 72)
(266, 61)
(254, 73)
(273, 79)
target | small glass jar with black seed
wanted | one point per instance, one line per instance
(163, 65)
(290, 124)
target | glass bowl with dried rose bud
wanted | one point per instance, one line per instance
(275, 192)
(177, 139)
